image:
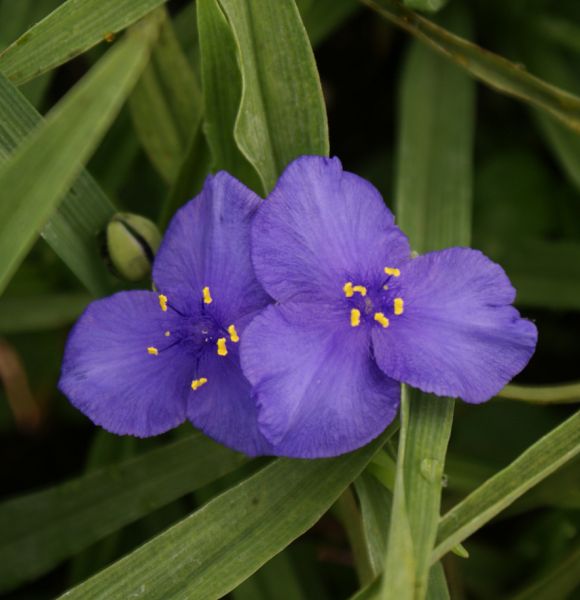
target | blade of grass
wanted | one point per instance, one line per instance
(42, 529)
(282, 113)
(568, 393)
(425, 5)
(74, 27)
(216, 548)
(492, 69)
(537, 462)
(434, 182)
(166, 104)
(56, 150)
(84, 211)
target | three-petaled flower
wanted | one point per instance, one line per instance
(356, 315)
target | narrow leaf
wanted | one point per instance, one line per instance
(537, 462)
(74, 27)
(212, 551)
(543, 394)
(56, 150)
(41, 530)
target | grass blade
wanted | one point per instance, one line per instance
(212, 551)
(434, 182)
(537, 462)
(282, 113)
(492, 69)
(543, 394)
(74, 27)
(41, 530)
(56, 150)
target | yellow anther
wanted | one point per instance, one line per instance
(221, 347)
(354, 317)
(233, 334)
(207, 299)
(398, 306)
(348, 289)
(392, 271)
(385, 287)
(167, 333)
(163, 302)
(197, 383)
(152, 350)
(381, 319)
(361, 289)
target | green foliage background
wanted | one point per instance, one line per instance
(110, 105)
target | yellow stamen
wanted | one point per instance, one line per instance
(221, 347)
(153, 351)
(348, 289)
(392, 271)
(233, 334)
(380, 318)
(354, 317)
(385, 287)
(167, 333)
(163, 302)
(361, 289)
(207, 299)
(398, 305)
(197, 383)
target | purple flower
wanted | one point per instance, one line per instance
(142, 362)
(356, 315)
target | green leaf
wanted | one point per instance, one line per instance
(222, 90)
(212, 551)
(282, 113)
(426, 5)
(74, 27)
(39, 313)
(41, 530)
(492, 69)
(568, 393)
(437, 585)
(84, 211)
(56, 150)
(537, 462)
(434, 185)
(166, 104)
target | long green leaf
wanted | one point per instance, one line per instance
(41, 530)
(282, 113)
(56, 150)
(166, 104)
(568, 393)
(212, 551)
(84, 211)
(426, 5)
(537, 462)
(492, 69)
(434, 182)
(70, 30)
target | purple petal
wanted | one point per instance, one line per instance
(109, 374)
(322, 227)
(458, 334)
(208, 244)
(224, 408)
(319, 392)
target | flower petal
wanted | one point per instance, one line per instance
(319, 227)
(109, 374)
(458, 334)
(224, 408)
(207, 244)
(319, 393)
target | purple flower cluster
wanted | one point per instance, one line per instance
(286, 326)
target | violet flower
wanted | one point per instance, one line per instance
(143, 362)
(356, 315)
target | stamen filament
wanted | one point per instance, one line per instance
(233, 334)
(392, 271)
(354, 317)
(197, 383)
(163, 302)
(207, 299)
(381, 319)
(398, 306)
(221, 347)
(153, 351)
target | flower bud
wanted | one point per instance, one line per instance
(131, 244)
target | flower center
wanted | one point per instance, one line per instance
(366, 303)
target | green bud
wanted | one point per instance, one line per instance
(131, 244)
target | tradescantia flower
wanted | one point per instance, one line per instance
(143, 362)
(356, 315)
